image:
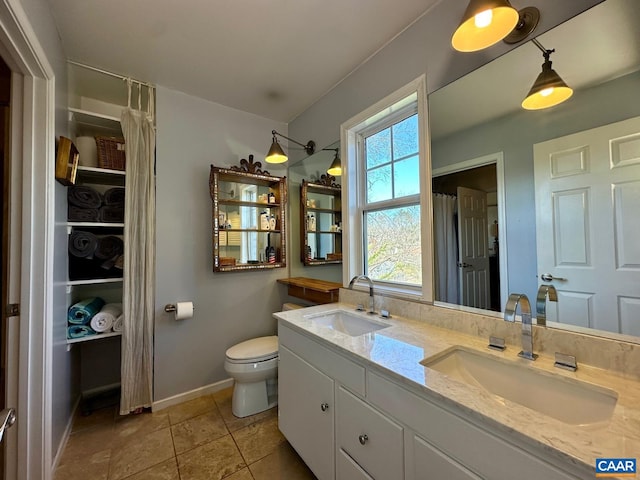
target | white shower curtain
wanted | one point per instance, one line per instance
(446, 248)
(139, 272)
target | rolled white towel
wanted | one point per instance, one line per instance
(118, 324)
(106, 317)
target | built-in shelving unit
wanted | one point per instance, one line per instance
(86, 123)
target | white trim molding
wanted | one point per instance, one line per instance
(32, 160)
(191, 394)
(496, 159)
(349, 131)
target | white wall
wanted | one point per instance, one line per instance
(230, 307)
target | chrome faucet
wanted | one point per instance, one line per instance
(527, 330)
(541, 302)
(364, 277)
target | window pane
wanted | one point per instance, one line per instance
(405, 137)
(379, 184)
(378, 148)
(393, 245)
(406, 177)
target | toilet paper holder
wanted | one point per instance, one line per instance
(170, 308)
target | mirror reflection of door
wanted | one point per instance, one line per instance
(587, 224)
(466, 238)
(473, 253)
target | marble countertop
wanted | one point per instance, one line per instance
(397, 351)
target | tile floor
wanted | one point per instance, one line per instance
(196, 440)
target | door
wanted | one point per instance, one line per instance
(7, 416)
(587, 223)
(473, 251)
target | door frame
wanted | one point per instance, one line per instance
(496, 159)
(31, 244)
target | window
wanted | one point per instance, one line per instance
(391, 209)
(387, 187)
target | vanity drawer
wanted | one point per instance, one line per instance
(381, 452)
(347, 469)
(483, 453)
(341, 369)
(429, 463)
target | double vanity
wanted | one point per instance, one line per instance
(364, 397)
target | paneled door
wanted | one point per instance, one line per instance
(588, 226)
(473, 251)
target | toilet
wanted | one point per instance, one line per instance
(253, 364)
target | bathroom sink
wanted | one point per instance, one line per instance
(566, 399)
(346, 322)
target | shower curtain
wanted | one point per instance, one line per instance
(446, 248)
(139, 272)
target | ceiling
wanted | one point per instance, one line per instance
(273, 58)
(596, 46)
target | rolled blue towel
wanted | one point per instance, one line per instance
(82, 312)
(79, 331)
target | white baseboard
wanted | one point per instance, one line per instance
(65, 435)
(190, 395)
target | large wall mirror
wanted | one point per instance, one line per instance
(483, 141)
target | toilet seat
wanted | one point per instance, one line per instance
(255, 350)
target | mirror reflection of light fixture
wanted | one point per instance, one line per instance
(336, 166)
(277, 155)
(548, 89)
(484, 23)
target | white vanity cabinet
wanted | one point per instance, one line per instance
(386, 431)
(306, 405)
(425, 462)
(367, 436)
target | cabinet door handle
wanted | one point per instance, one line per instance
(324, 407)
(363, 439)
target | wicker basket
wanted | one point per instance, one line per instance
(110, 153)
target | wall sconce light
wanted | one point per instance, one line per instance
(548, 89)
(484, 23)
(277, 155)
(336, 166)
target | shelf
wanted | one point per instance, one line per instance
(323, 231)
(242, 203)
(94, 281)
(314, 290)
(91, 123)
(95, 224)
(254, 230)
(324, 210)
(97, 336)
(101, 176)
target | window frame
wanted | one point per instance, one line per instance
(411, 97)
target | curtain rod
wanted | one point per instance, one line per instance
(107, 72)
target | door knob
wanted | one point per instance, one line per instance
(547, 277)
(464, 265)
(324, 407)
(363, 439)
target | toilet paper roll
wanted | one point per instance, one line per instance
(184, 310)
(88, 151)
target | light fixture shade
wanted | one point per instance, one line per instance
(336, 166)
(548, 90)
(276, 154)
(476, 32)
